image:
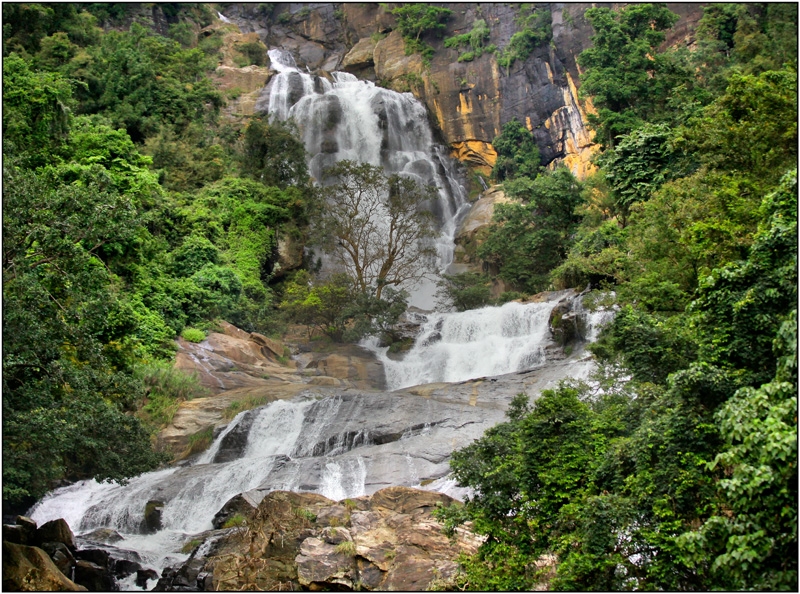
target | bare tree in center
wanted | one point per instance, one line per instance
(375, 226)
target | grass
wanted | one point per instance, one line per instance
(237, 406)
(235, 521)
(346, 547)
(190, 546)
(305, 514)
(200, 440)
(165, 388)
(193, 335)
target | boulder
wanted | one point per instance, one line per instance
(273, 346)
(103, 535)
(28, 527)
(387, 541)
(359, 60)
(144, 575)
(61, 556)
(321, 563)
(122, 568)
(243, 504)
(56, 531)
(94, 577)
(30, 569)
(96, 556)
(474, 228)
(152, 516)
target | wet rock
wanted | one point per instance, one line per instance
(96, 556)
(15, 534)
(61, 556)
(56, 531)
(183, 578)
(122, 568)
(144, 575)
(243, 504)
(95, 577)
(30, 569)
(152, 516)
(234, 443)
(103, 535)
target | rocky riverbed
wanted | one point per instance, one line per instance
(317, 435)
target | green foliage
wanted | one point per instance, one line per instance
(535, 31)
(36, 108)
(464, 291)
(193, 335)
(415, 20)
(529, 239)
(628, 79)
(255, 53)
(235, 521)
(273, 154)
(475, 40)
(517, 153)
(338, 309)
(638, 165)
(139, 80)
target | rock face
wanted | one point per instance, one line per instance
(474, 228)
(241, 370)
(468, 101)
(30, 569)
(388, 541)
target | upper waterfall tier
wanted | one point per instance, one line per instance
(342, 117)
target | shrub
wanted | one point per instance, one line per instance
(193, 335)
(235, 521)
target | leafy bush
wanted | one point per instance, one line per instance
(193, 335)
(535, 31)
(517, 153)
(474, 40)
(416, 20)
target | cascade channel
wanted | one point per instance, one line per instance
(344, 443)
(342, 117)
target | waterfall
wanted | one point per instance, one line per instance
(453, 347)
(342, 117)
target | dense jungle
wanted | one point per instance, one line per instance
(645, 155)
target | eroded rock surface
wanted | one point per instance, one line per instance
(387, 541)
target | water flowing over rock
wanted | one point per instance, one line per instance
(341, 443)
(341, 117)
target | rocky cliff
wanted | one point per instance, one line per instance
(468, 101)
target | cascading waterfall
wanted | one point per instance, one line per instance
(347, 118)
(193, 494)
(453, 347)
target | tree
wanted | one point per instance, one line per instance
(529, 239)
(273, 154)
(414, 20)
(376, 227)
(627, 77)
(464, 291)
(517, 153)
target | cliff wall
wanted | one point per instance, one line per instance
(468, 102)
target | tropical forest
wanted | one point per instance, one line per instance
(399, 296)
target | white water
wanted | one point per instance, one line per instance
(196, 493)
(347, 118)
(454, 347)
